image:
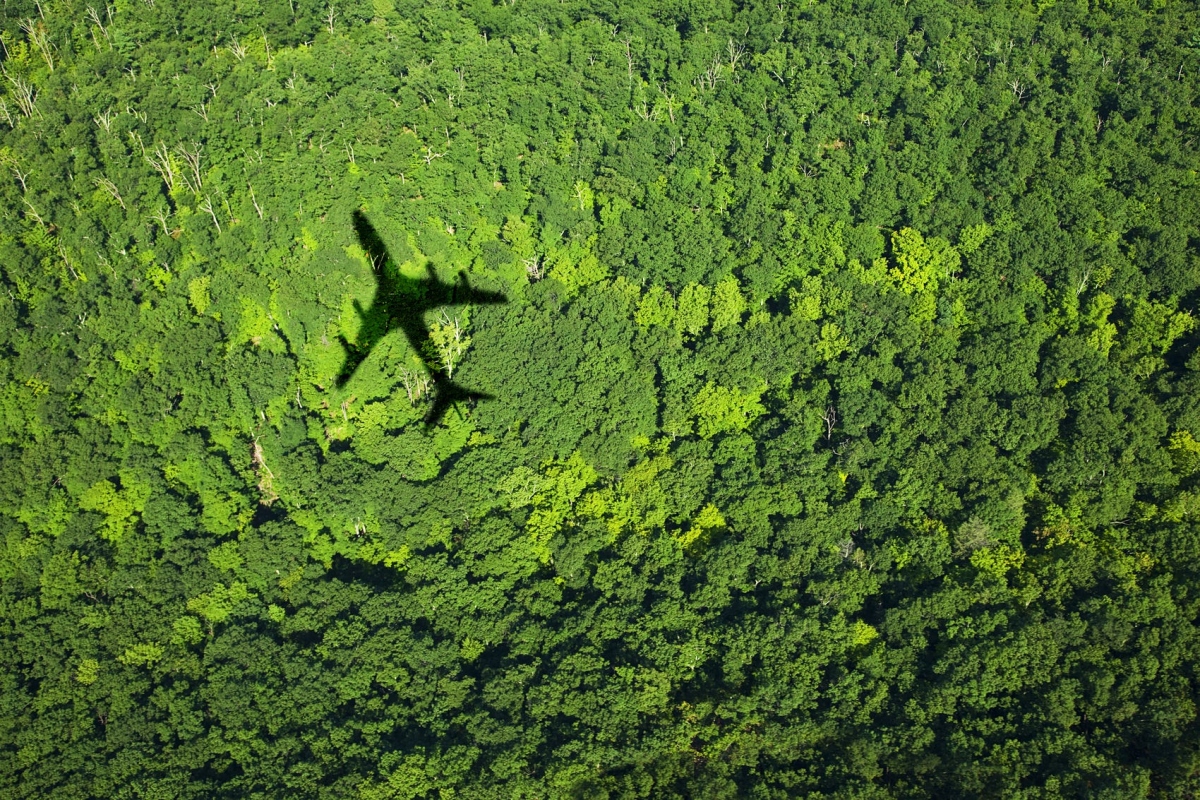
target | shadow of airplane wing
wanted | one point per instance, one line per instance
(465, 293)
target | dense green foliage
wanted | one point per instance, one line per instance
(844, 440)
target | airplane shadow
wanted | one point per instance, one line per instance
(401, 302)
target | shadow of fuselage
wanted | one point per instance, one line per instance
(401, 302)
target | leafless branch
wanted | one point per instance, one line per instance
(105, 120)
(111, 188)
(254, 200)
(20, 176)
(40, 37)
(160, 159)
(23, 93)
(534, 268)
(95, 18)
(192, 158)
(207, 207)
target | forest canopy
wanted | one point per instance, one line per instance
(825, 421)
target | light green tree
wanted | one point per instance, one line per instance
(692, 316)
(719, 409)
(657, 307)
(728, 305)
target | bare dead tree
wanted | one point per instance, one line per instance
(20, 175)
(105, 120)
(95, 18)
(254, 200)
(1083, 282)
(267, 49)
(713, 75)
(416, 384)
(534, 268)
(62, 253)
(207, 207)
(111, 188)
(669, 100)
(736, 51)
(161, 216)
(23, 92)
(266, 478)
(447, 342)
(40, 38)
(192, 159)
(160, 159)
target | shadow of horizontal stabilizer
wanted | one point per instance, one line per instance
(447, 395)
(451, 394)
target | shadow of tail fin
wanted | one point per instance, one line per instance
(450, 394)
